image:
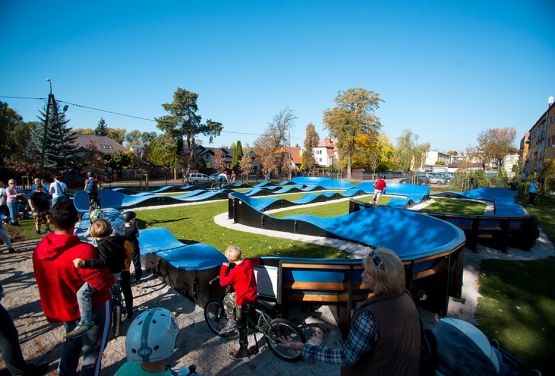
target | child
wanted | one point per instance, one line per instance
(149, 344)
(111, 255)
(118, 226)
(40, 207)
(238, 303)
(132, 235)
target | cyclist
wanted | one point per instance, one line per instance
(91, 187)
(238, 303)
(221, 178)
(111, 255)
(149, 344)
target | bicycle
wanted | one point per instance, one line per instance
(118, 307)
(259, 320)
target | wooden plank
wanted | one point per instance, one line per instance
(319, 266)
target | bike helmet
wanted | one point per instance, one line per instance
(95, 215)
(151, 336)
(90, 174)
(118, 227)
(129, 215)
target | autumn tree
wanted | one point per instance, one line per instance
(101, 128)
(377, 153)
(218, 161)
(86, 131)
(310, 142)
(246, 164)
(117, 134)
(353, 114)
(185, 124)
(270, 148)
(138, 141)
(495, 144)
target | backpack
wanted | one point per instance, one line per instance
(91, 186)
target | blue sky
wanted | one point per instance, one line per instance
(447, 70)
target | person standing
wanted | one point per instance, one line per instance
(532, 191)
(11, 200)
(379, 189)
(3, 233)
(57, 190)
(385, 335)
(132, 235)
(91, 187)
(40, 207)
(58, 281)
(3, 197)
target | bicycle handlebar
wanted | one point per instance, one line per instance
(213, 280)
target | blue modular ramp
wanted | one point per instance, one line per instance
(197, 256)
(156, 239)
(81, 201)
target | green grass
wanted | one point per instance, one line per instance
(25, 230)
(195, 223)
(544, 210)
(518, 308)
(331, 209)
(456, 206)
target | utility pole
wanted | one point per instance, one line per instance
(51, 101)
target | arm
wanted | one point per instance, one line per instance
(362, 338)
(225, 278)
(100, 261)
(100, 279)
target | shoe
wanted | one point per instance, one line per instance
(12, 250)
(36, 369)
(228, 328)
(80, 329)
(239, 354)
(38, 232)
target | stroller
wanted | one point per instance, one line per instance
(457, 347)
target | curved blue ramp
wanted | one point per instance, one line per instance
(81, 201)
(197, 256)
(156, 239)
(488, 194)
(327, 183)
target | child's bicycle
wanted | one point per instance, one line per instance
(259, 320)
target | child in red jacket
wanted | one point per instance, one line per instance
(238, 303)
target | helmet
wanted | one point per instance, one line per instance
(151, 336)
(129, 215)
(118, 226)
(95, 215)
(90, 174)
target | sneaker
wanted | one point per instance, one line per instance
(239, 354)
(37, 369)
(80, 329)
(12, 250)
(228, 328)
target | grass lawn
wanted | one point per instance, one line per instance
(455, 206)
(25, 231)
(518, 303)
(195, 223)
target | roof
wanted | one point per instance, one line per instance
(295, 153)
(103, 143)
(327, 142)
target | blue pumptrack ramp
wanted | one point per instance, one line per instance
(157, 239)
(81, 201)
(197, 256)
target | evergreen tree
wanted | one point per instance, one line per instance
(102, 128)
(311, 141)
(59, 145)
(237, 155)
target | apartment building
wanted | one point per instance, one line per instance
(539, 143)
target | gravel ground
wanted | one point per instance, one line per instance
(42, 341)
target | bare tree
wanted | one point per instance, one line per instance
(218, 161)
(245, 164)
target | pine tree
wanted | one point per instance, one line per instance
(237, 155)
(59, 146)
(102, 128)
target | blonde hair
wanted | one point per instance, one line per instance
(233, 253)
(11, 181)
(101, 229)
(389, 276)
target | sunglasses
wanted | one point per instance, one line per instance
(378, 262)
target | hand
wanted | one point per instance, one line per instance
(290, 344)
(225, 263)
(78, 263)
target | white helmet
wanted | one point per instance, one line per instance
(95, 215)
(151, 336)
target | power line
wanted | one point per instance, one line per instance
(11, 97)
(109, 112)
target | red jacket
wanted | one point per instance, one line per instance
(380, 184)
(241, 277)
(58, 279)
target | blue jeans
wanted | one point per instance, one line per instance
(13, 208)
(91, 344)
(9, 344)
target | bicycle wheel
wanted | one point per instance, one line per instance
(286, 329)
(215, 317)
(116, 320)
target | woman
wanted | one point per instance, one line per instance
(385, 330)
(11, 201)
(40, 207)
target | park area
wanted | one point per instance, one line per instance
(504, 286)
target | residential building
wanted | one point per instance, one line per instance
(103, 143)
(208, 154)
(541, 142)
(326, 153)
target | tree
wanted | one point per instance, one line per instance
(15, 135)
(352, 115)
(83, 131)
(102, 128)
(310, 142)
(184, 124)
(237, 155)
(245, 164)
(138, 141)
(162, 151)
(270, 147)
(117, 134)
(420, 153)
(218, 161)
(94, 160)
(406, 146)
(495, 144)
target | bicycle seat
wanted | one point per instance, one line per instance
(267, 305)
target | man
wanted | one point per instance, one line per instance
(91, 187)
(57, 190)
(379, 188)
(58, 281)
(221, 179)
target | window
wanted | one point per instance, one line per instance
(104, 146)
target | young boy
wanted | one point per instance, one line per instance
(111, 255)
(149, 344)
(239, 302)
(132, 236)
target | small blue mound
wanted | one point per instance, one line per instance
(157, 239)
(501, 195)
(327, 183)
(81, 201)
(197, 256)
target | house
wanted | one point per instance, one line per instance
(539, 143)
(207, 154)
(103, 143)
(296, 155)
(326, 153)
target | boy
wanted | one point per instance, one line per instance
(91, 187)
(132, 236)
(379, 188)
(149, 344)
(111, 255)
(241, 277)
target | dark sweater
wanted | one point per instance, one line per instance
(111, 254)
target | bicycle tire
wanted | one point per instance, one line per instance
(215, 317)
(116, 320)
(284, 328)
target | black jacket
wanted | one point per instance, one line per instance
(111, 254)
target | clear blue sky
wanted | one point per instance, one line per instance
(447, 70)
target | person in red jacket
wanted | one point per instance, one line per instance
(238, 303)
(379, 188)
(58, 281)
